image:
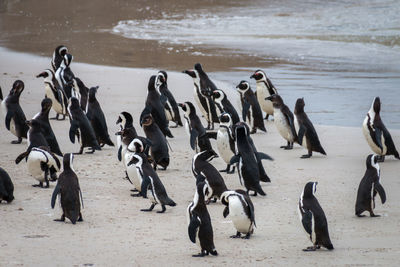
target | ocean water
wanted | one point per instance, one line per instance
(338, 55)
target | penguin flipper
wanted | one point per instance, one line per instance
(56, 191)
(200, 178)
(163, 99)
(379, 188)
(225, 213)
(193, 227)
(245, 110)
(301, 133)
(72, 130)
(8, 118)
(389, 143)
(378, 137)
(120, 153)
(145, 185)
(306, 220)
(193, 136)
(234, 159)
(21, 157)
(212, 135)
(262, 155)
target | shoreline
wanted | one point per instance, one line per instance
(115, 232)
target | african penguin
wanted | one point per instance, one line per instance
(226, 141)
(240, 209)
(376, 134)
(55, 93)
(224, 105)
(264, 89)
(250, 107)
(58, 56)
(81, 127)
(70, 191)
(151, 182)
(83, 92)
(15, 119)
(97, 119)
(199, 222)
(203, 170)
(124, 120)
(313, 219)
(66, 78)
(369, 187)
(284, 121)
(307, 136)
(170, 107)
(6, 187)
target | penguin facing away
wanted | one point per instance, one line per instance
(226, 141)
(376, 134)
(55, 93)
(284, 121)
(307, 136)
(69, 190)
(264, 89)
(15, 119)
(313, 219)
(58, 56)
(240, 209)
(199, 222)
(369, 187)
(97, 119)
(6, 187)
(224, 105)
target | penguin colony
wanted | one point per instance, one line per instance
(140, 156)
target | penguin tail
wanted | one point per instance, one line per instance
(109, 142)
(321, 150)
(170, 202)
(265, 178)
(1, 94)
(396, 154)
(168, 133)
(262, 128)
(260, 191)
(330, 246)
(214, 252)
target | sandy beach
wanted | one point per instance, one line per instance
(116, 233)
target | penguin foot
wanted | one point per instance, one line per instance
(38, 185)
(201, 254)
(19, 141)
(235, 236)
(162, 210)
(288, 147)
(231, 171)
(80, 219)
(134, 190)
(247, 236)
(313, 248)
(136, 195)
(91, 151)
(306, 156)
(253, 131)
(62, 219)
(359, 215)
(149, 209)
(375, 215)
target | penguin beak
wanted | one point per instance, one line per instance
(41, 74)
(180, 105)
(119, 120)
(190, 73)
(252, 76)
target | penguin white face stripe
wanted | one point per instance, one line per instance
(71, 158)
(375, 165)
(314, 188)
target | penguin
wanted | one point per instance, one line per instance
(205, 171)
(35, 135)
(151, 181)
(124, 121)
(81, 127)
(203, 88)
(376, 134)
(226, 141)
(284, 121)
(313, 219)
(159, 144)
(224, 105)
(240, 209)
(155, 103)
(42, 165)
(199, 138)
(97, 119)
(250, 107)
(83, 92)
(264, 89)
(199, 222)
(369, 187)
(66, 78)
(170, 107)
(43, 118)
(15, 119)
(127, 135)
(248, 166)
(58, 56)
(55, 93)
(6, 187)
(307, 136)
(70, 191)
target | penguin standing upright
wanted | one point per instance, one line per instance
(70, 191)
(224, 105)
(170, 107)
(83, 92)
(203, 88)
(307, 136)
(250, 107)
(376, 134)
(58, 56)
(199, 222)
(97, 119)
(124, 120)
(284, 121)
(159, 146)
(43, 118)
(264, 89)
(6, 187)
(199, 139)
(226, 141)
(369, 187)
(205, 171)
(15, 119)
(81, 127)
(66, 78)
(240, 209)
(55, 93)
(313, 218)
(151, 181)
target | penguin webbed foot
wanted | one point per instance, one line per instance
(313, 248)
(40, 184)
(92, 149)
(149, 209)
(238, 235)
(360, 215)
(247, 236)
(374, 215)
(62, 219)
(201, 254)
(163, 209)
(253, 131)
(134, 190)
(80, 219)
(136, 195)
(19, 141)
(306, 156)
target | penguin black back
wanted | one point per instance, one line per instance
(6, 187)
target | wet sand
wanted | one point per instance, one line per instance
(115, 232)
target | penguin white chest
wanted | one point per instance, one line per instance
(238, 216)
(224, 149)
(34, 161)
(132, 171)
(13, 129)
(57, 106)
(282, 125)
(371, 142)
(187, 126)
(262, 93)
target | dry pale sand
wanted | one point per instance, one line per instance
(115, 232)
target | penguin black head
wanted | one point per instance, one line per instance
(275, 99)
(243, 86)
(188, 108)
(376, 105)
(202, 190)
(136, 146)
(241, 130)
(46, 73)
(309, 189)
(372, 162)
(225, 118)
(218, 95)
(68, 59)
(33, 124)
(61, 50)
(198, 67)
(68, 160)
(162, 76)
(92, 93)
(17, 88)
(147, 120)
(192, 73)
(259, 75)
(152, 83)
(299, 108)
(46, 104)
(74, 103)
(125, 118)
